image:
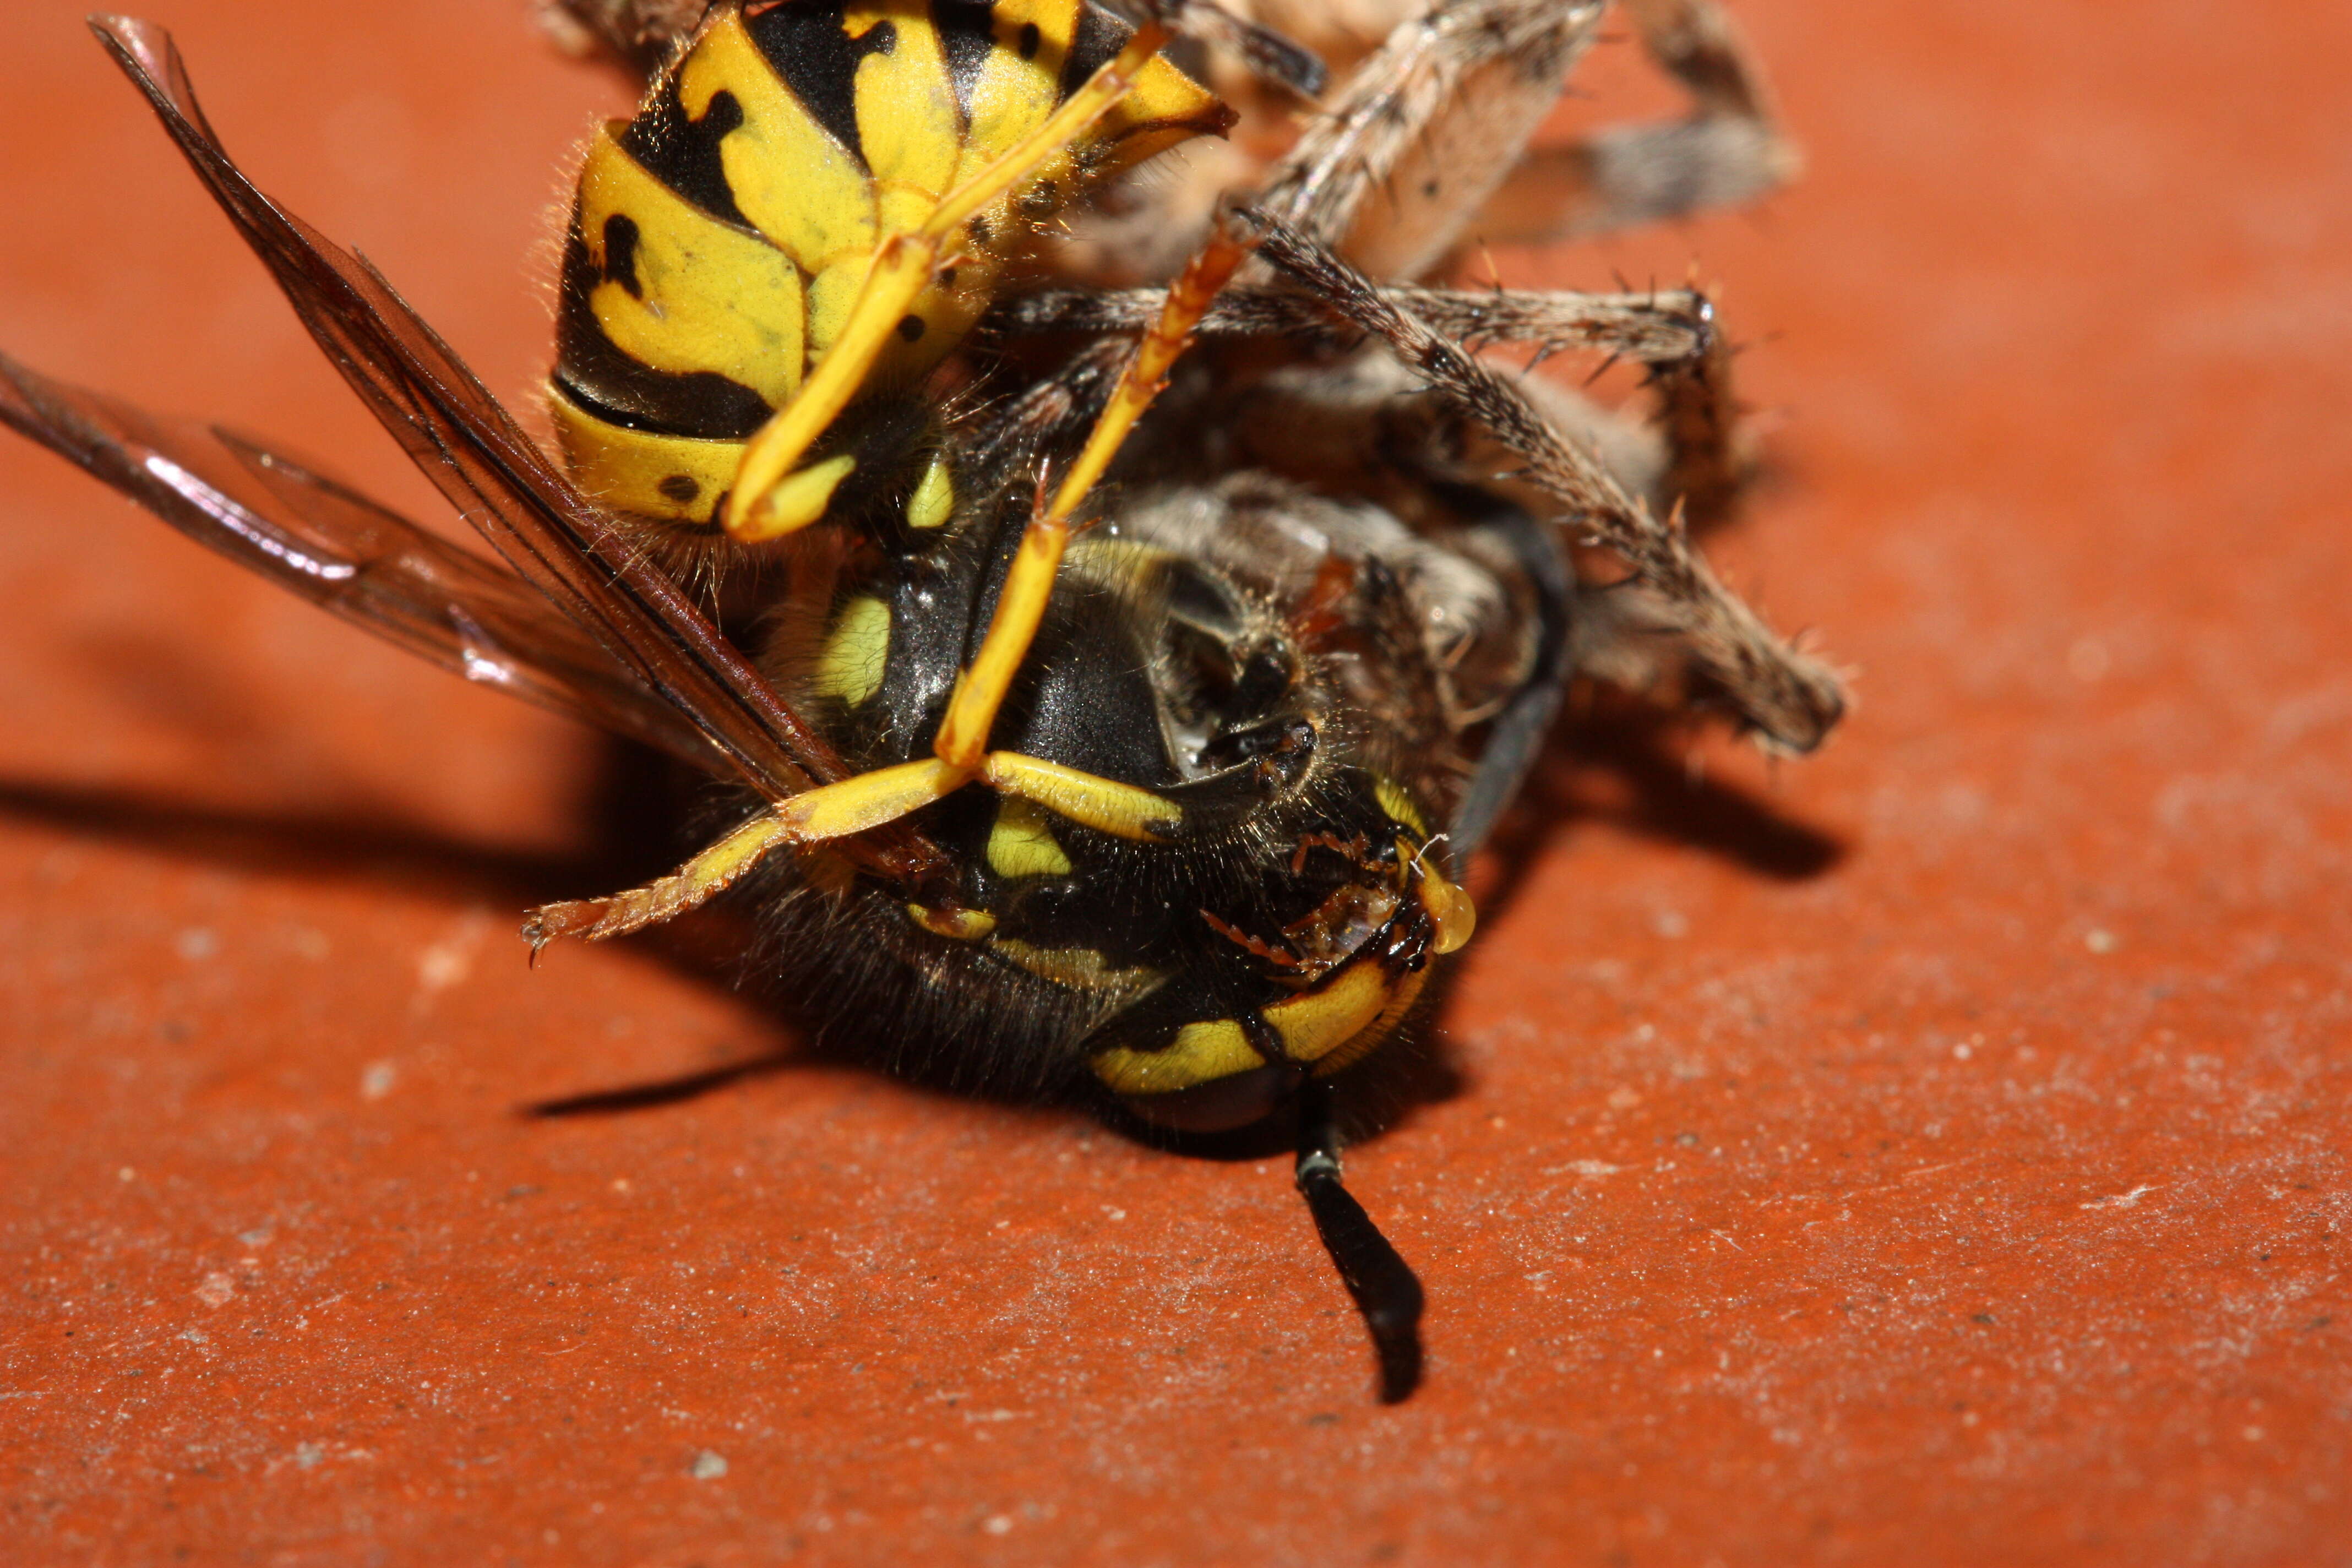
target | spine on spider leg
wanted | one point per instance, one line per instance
(1709, 454)
(720, 237)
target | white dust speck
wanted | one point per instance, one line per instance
(217, 1291)
(999, 1524)
(708, 1465)
(2100, 940)
(377, 1079)
(2120, 1200)
(447, 961)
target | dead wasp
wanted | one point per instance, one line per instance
(1059, 745)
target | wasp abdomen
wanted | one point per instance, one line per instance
(720, 237)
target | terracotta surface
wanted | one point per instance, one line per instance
(1931, 1153)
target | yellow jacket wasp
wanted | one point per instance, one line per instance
(1063, 746)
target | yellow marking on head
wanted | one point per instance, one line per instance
(709, 296)
(962, 925)
(1369, 1039)
(1398, 804)
(933, 502)
(1202, 1052)
(640, 471)
(1104, 805)
(1316, 1022)
(1022, 845)
(856, 651)
(1075, 968)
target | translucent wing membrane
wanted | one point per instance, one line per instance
(558, 540)
(349, 555)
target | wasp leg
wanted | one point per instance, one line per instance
(834, 811)
(697, 881)
(770, 499)
(980, 691)
(1727, 150)
(1098, 802)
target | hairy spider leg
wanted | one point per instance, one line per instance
(772, 495)
(959, 748)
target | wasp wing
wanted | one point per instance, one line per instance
(349, 555)
(555, 538)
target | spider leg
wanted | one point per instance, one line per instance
(1788, 697)
(1655, 328)
(1727, 150)
(1689, 454)
(1427, 128)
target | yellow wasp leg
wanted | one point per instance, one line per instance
(902, 268)
(1089, 799)
(980, 691)
(696, 882)
(834, 811)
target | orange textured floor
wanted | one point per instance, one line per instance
(1930, 1153)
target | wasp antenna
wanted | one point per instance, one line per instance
(1387, 1291)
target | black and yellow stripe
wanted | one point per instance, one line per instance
(720, 237)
